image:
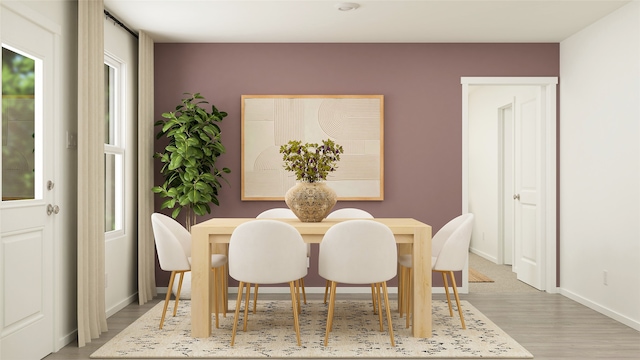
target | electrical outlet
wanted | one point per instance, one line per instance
(605, 274)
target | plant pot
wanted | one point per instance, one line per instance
(311, 202)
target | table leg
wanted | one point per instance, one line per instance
(200, 283)
(421, 304)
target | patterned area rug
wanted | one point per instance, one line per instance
(355, 334)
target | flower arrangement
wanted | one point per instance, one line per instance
(311, 162)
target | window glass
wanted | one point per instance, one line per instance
(18, 126)
(113, 149)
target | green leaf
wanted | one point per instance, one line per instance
(176, 161)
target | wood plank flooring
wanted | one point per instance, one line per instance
(550, 326)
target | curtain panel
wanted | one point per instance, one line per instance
(146, 248)
(92, 319)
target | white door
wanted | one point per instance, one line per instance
(26, 230)
(527, 246)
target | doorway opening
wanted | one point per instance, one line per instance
(532, 135)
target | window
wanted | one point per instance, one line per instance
(114, 147)
(21, 126)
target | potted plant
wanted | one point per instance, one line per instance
(190, 171)
(311, 199)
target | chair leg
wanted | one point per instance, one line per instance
(374, 298)
(295, 303)
(455, 293)
(446, 290)
(235, 318)
(332, 304)
(379, 303)
(304, 293)
(400, 290)
(215, 294)
(407, 295)
(326, 290)
(298, 286)
(166, 299)
(175, 307)
(386, 305)
(246, 307)
(255, 298)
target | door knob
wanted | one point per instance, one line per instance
(516, 197)
(52, 209)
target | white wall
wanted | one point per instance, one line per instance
(600, 165)
(484, 102)
(121, 251)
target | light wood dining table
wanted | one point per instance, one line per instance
(212, 236)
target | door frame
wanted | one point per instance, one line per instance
(548, 219)
(502, 175)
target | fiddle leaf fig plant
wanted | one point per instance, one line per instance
(190, 171)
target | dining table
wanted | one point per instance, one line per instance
(213, 236)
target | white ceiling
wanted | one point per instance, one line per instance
(379, 21)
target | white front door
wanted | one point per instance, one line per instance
(28, 190)
(528, 251)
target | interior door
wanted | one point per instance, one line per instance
(527, 245)
(27, 208)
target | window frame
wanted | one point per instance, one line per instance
(116, 145)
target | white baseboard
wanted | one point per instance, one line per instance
(634, 324)
(66, 340)
(122, 304)
(484, 255)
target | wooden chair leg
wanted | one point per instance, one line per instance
(326, 290)
(167, 298)
(246, 307)
(295, 303)
(235, 318)
(255, 298)
(400, 290)
(446, 290)
(332, 304)
(304, 293)
(386, 305)
(215, 294)
(455, 293)
(379, 303)
(296, 288)
(175, 307)
(407, 295)
(374, 298)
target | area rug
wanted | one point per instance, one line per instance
(477, 277)
(355, 334)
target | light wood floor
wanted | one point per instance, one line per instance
(550, 326)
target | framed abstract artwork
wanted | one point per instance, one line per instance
(354, 121)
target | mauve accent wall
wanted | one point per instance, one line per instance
(422, 108)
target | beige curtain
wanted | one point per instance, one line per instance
(92, 319)
(146, 248)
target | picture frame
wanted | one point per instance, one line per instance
(356, 122)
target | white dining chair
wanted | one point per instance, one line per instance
(281, 213)
(266, 252)
(358, 252)
(449, 253)
(351, 213)
(173, 244)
